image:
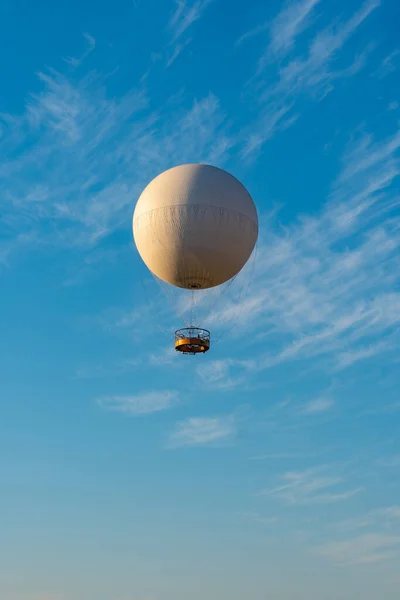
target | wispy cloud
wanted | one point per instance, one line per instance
(186, 13)
(218, 373)
(140, 404)
(365, 549)
(203, 431)
(388, 64)
(312, 486)
(177, 50)
(291, 72)
(328, 285)
(283, 30)
(73, 163)
(280, 456)
(387, 517)
(260, 519)
(310, 73)
(254, 32)
(295, 414)
(289, 24)
(319, 405)
(77, 61)
(349, 357)
(391, 512)
(169, 356)
(277, 117)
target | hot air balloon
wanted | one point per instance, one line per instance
(195, 227)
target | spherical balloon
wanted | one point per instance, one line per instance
(195, 226)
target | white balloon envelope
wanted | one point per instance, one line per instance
(195, 226)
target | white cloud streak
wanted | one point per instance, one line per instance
(91, 45)
(365, 549)
(328, 285)
(203, 431)
(218, 373)
(318, 406)
(73, 164)
(290, 73)
(293, 20)
(257, 518)
(187, 12)
(283, 30)
(388, 64)
(140, 404)
(280, 456)
(177, 50)
(315, 70)
(311, 486)
(385, 517)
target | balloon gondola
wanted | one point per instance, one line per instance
(192, 340)
(195, 227)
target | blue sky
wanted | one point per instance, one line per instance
(268, 468)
